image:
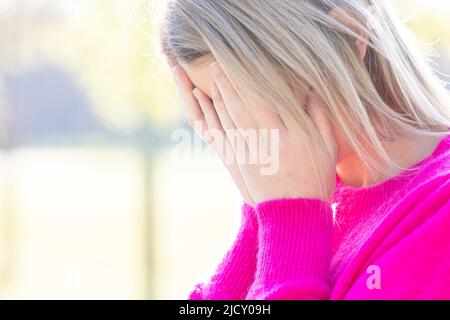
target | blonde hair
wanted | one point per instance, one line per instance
(274, 47)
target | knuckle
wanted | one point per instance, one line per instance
(191, 120)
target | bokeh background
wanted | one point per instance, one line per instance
(93, 203)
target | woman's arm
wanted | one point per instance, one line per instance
(236, 272)
(294, 250)
(412, 262)
(294, 237)
(293, 177)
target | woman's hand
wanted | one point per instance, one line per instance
(295, 176)
(228, 128)
(201, 115)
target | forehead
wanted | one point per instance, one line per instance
(200, 74)
(199, 65)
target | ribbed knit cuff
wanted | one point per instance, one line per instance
(236, 272)
(294, 243)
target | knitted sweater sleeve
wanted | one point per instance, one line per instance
(235, 273)
(295, 238)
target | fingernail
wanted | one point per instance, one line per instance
(172, 61)
(196, 93)
(215, 93)
(216, 69)
(175, 70)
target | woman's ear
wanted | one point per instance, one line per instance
(345, 19)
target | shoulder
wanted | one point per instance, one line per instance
(424, 200)
(433, 174)
(425, 204)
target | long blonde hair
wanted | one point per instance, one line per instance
(272, 47)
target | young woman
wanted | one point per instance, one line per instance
(359, 207)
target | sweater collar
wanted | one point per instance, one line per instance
(392, 183)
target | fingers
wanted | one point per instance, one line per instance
(215, 130)
(231, 99)
(185, 87)
(266, 118)
(207, 107)
(172, 62)
(193, 112)
(235, 140)
(246, 136)
(201, 112)
(222, 112)
(220, 143)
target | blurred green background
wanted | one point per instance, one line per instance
(92, 203)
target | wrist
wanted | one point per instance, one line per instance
(249, 215)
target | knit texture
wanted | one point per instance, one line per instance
(387, 241)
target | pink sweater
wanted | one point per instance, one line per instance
(386, 241)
